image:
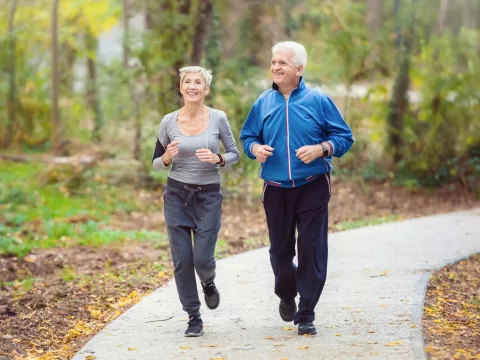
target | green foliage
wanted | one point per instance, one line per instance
(440, 129)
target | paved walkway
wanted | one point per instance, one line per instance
(371, 306)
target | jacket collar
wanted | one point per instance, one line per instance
(301, 85)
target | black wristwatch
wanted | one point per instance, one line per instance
(221, 160)
(325, 150)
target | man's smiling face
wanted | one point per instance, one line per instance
(285, 72)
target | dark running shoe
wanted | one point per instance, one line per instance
(287, 310)
(195, 327)
(306, 328)
(212, 296)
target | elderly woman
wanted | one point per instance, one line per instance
(189, 140)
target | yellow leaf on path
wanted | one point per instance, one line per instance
(185, 347)
(132, 349)
(413, 326)
(210, 346)
(373, 353)
(268, 338)
(90, 357)
(371, 332)
(217, 359)
(303, 347)
(394, 343)
(338, 335)
(278, 345)
(287, 328)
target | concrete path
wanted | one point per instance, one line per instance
(371, 306)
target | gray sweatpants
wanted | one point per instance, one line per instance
(193, 209)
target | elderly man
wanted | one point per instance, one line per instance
(294, 130)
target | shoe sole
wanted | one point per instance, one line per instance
(194, 335)
(307, 333)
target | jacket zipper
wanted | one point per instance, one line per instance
(288, 140)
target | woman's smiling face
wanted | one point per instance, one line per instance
(194, 87)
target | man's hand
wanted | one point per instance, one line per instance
(170, 152)
(262, 152)
(308, 153)
(206, 155)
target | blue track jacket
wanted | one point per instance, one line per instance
(308, 117)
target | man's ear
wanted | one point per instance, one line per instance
(300, 70)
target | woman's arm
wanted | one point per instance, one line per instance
(226, 136)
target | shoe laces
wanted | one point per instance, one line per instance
(194, 321)
(209, 289)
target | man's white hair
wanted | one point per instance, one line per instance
(299, 52)
(207, 74)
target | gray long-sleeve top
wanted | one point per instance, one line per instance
(186, 167)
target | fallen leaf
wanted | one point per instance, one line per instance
(278, 345)
(209, 346)
(338, 335)
(303, 347)
(185, 347)
(132, 349)
(287, 328)
(90, 357)
(371, 332)
(394, 343)
(413, 326)
(373, 353)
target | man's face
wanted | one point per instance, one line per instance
(285, 73)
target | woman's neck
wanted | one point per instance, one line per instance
(192, 109)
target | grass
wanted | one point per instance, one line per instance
(348, 225)
(25, 199)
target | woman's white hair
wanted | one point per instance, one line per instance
(207, 74)
(299, 52)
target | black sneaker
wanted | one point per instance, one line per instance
(212, 296)
(195, 327)
(306, 328)
(287, 310)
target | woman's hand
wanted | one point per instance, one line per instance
(170, 152)
(206, 155)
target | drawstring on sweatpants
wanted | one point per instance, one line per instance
(191, 192)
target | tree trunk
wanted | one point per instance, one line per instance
(67, 56)
(202, 29)
(126, 33)
(212, 55)
(374, 15)
(135, 96)
(56, 131)
(12, 97)
(184, 9)
(398, 104)
(137, 139)
(92, 91)
(442, 16)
